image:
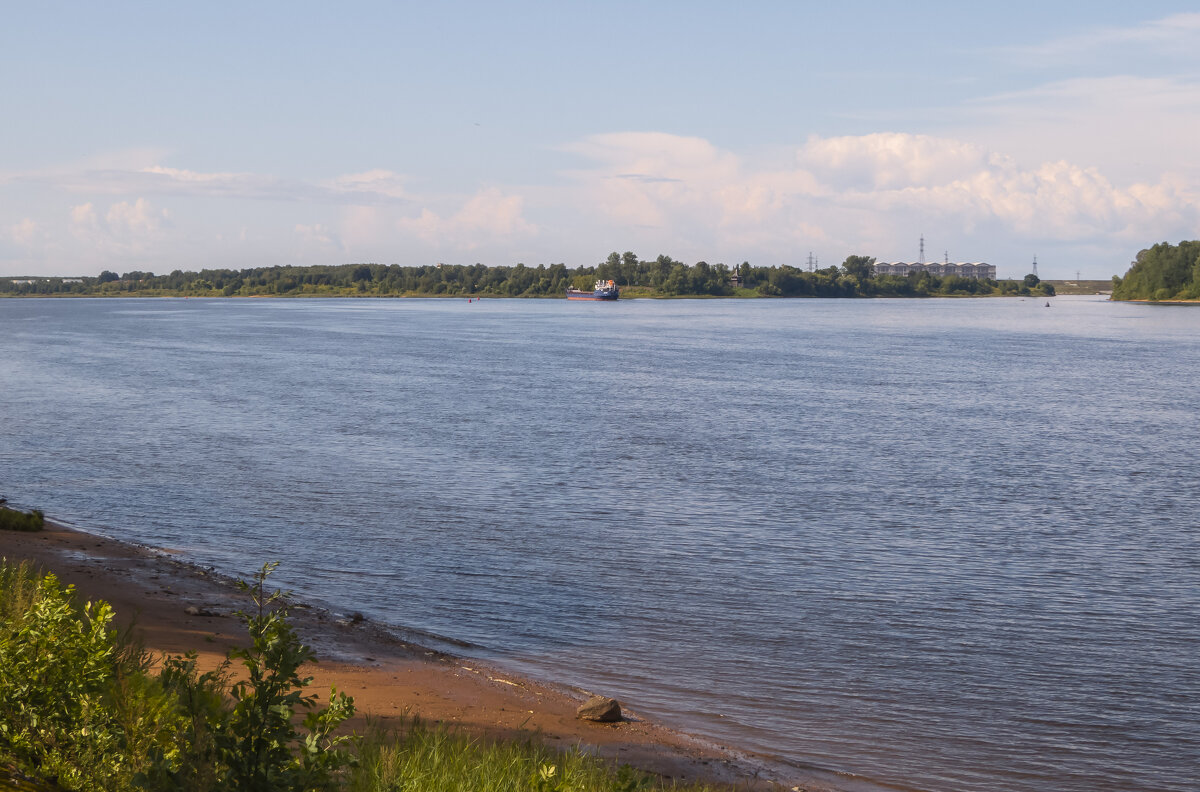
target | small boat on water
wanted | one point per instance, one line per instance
(604, 290)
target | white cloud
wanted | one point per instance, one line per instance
(135, 220)
(680, 185)
(1177, 35)
(317, 235)
(1132, 128)
(25, 232)
(487, 217)
(376, 182)
(876, 190)
(83, 220)
(889, 160)
(125, 229)
(376, 186)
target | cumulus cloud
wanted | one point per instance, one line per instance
(866, 189)
(681, 185)
(24, 233)
(1135, 129)
(125, 228)
(949, 178)
(889, 160)
(135, 220)
(317, 235)
(83, 220)
(486, 217)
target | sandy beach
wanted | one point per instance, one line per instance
(176, 607)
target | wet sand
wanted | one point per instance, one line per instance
(176, 607)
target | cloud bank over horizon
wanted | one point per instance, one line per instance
(651, 192)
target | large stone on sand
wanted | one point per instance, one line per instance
(600, 709)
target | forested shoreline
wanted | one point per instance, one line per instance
(660, 277)
(1162, 272)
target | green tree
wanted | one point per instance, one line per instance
(1164, 269)
(860, 267)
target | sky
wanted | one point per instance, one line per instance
(162, 136)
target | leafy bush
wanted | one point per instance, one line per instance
(78, 703)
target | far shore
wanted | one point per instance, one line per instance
(175, 607)
(1163, 302)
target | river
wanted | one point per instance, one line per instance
(940, 544)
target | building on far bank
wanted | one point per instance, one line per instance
(976, 269)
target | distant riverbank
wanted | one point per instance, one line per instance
(627, 293)
(662, 277)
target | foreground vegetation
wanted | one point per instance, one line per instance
(83, 707)
(662, 277)
(1162, 272)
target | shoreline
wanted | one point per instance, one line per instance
(479, 297)
(175, 606)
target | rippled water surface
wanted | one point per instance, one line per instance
(946, 544)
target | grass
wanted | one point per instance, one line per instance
(13, 520)
(420, 758)
(1063, 287)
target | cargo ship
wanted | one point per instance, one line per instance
(604, 290)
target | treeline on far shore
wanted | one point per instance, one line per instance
(660, 277)
(1162, 272)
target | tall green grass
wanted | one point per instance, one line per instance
(417, 757)
(13, 520)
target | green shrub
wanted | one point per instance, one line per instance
(190, 766)
(257, 743)
(13, 520)
(79, 705)
(76, 703)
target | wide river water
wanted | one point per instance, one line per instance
(940, 544)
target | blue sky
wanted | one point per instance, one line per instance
(154, 136)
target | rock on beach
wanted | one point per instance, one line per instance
(600, 709)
